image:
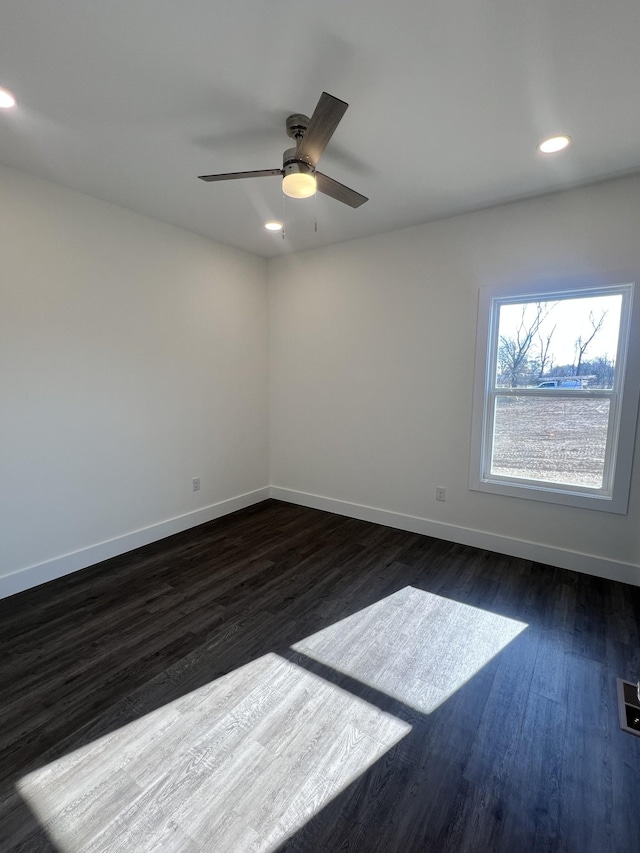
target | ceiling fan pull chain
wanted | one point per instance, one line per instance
(315, 211)
(283, 219)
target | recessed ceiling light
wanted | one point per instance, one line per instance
(6, 100)
(273, 226)
(554, 144)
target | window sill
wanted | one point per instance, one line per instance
(564, 496)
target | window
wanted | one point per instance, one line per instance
(556, 395)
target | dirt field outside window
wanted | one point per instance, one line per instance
(553, 439)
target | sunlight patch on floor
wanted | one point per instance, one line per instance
(238, 764)
(413, 645)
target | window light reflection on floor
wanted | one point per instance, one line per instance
(240, 763)
(413, 645)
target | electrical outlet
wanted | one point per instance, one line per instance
(195, 483)
(441, 494)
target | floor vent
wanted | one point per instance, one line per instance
(629, 707)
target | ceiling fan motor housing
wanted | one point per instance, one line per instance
(291, 164)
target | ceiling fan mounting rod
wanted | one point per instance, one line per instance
(296, 126)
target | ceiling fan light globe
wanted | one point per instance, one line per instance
(299, 185)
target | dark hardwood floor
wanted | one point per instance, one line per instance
(287, 679)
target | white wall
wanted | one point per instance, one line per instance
(372, 361)
(133, 357)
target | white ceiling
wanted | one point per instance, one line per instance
(130, 101)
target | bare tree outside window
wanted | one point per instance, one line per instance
(545, 357)
(516, 351)
(583, 342)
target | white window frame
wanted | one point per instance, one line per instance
(623, 411)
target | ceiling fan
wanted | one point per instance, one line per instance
(300, 177)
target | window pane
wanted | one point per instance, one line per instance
(553, 439)
(565, 343)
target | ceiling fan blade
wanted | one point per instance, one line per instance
(338, 191)
(326, 117)
(234, 176)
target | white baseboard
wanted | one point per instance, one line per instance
(68, 563)
(586, 563)
(64, 565)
